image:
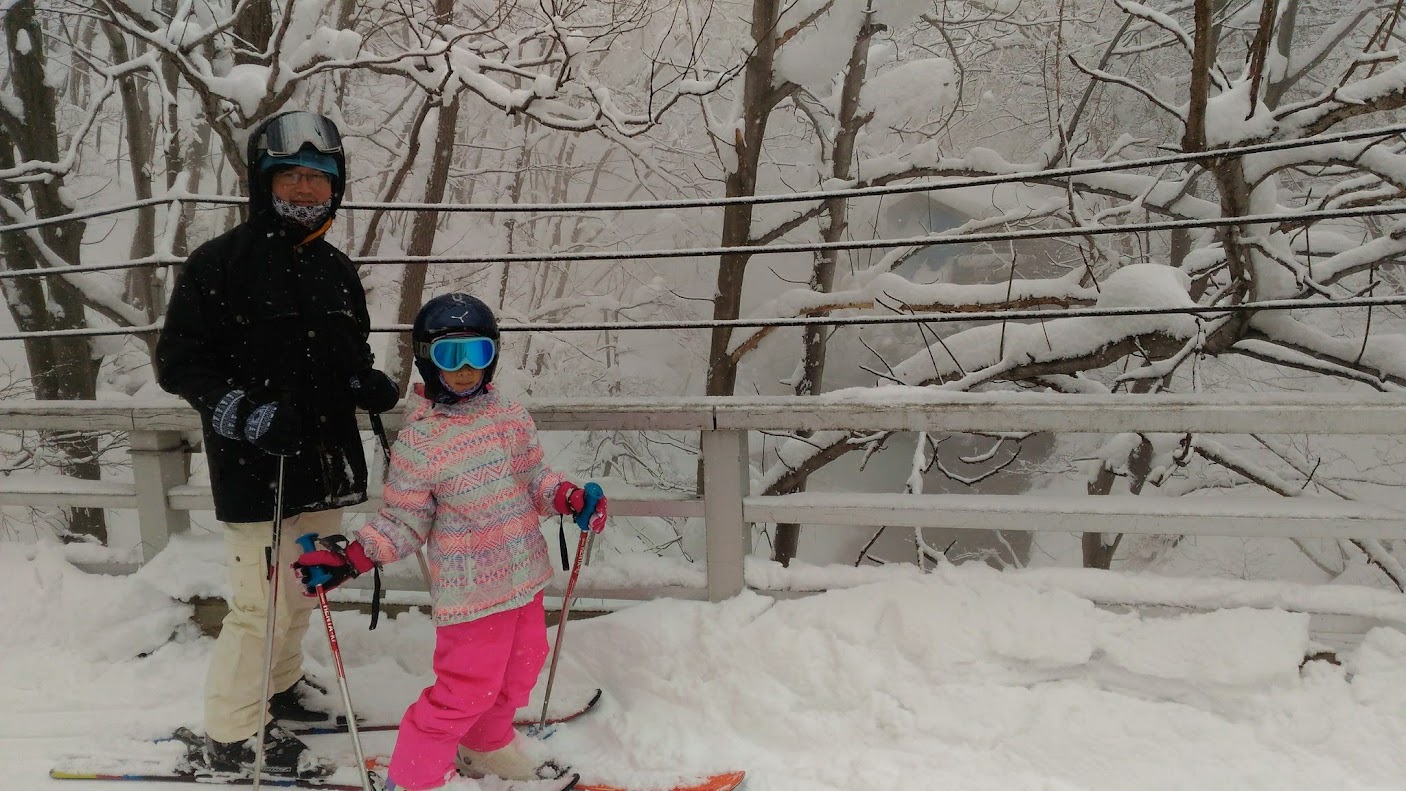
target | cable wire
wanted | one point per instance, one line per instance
(946, 316)
(800, 321)
(935, 240)
(954, 182)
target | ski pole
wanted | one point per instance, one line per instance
(593, 493)
(424, 566)
(274, 576)
(318, 578)
(379, 429)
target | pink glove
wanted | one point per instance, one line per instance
(329, 567)
(588, 511)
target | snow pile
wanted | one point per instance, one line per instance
(1148, 286)
(1230, 119)
(909, 94)
(817, 39)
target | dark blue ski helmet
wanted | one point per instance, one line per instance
(297, 137)
(450, 314)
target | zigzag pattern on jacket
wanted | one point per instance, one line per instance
(468, 482)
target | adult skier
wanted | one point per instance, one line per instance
(266, 336)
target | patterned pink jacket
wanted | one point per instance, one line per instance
(468, 482)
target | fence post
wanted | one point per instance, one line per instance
(158, 463)
(727, 479)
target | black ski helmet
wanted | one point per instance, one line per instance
(450, 314)
(285, 136)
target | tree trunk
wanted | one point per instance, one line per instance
(371, 237)
(1098, 553)
(518, 168)
(422, 236)
(833, 228)
(143, 287)
(253, 27)
(60, 368)
(757, 101)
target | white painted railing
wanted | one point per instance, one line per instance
(161, 432)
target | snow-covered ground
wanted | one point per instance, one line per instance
(955, 680)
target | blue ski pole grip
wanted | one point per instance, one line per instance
(593, 494)
(316, 577)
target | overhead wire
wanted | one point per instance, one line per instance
(948, 183)
(935, 240)
(944, 317)
(781, 248)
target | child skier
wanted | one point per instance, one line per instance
(467, 480)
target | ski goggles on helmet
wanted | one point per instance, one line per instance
(286, 135)
(455, 352)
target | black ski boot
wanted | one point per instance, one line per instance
(285, 755)
(291, 705)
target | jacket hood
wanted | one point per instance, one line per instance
(418, 407)
(261, 182)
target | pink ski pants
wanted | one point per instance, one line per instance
(484, 672)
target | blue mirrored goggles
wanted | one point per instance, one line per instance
(451, 354)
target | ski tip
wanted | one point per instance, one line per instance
(720, 782)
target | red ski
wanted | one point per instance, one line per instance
(726, 781)
(722, 782)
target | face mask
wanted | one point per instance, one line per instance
(310, 217)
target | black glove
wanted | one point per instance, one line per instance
(373, 391)
(274, 428)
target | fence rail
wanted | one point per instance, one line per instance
(162, 433)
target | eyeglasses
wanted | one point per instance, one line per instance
(453, 353)
(314, 178)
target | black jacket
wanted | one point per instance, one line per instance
(263, 310)
(254, 310)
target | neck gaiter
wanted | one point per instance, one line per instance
(310, 217)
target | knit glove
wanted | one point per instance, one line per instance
(274, 428)
(229, 414)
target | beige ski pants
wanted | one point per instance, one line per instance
(236, 675)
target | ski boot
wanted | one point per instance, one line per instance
(291, 705)
(285, 755)
(513, 761)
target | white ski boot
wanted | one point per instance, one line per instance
(514, 761)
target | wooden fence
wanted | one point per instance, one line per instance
(161, 433)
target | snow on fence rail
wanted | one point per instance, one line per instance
(161, 433)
